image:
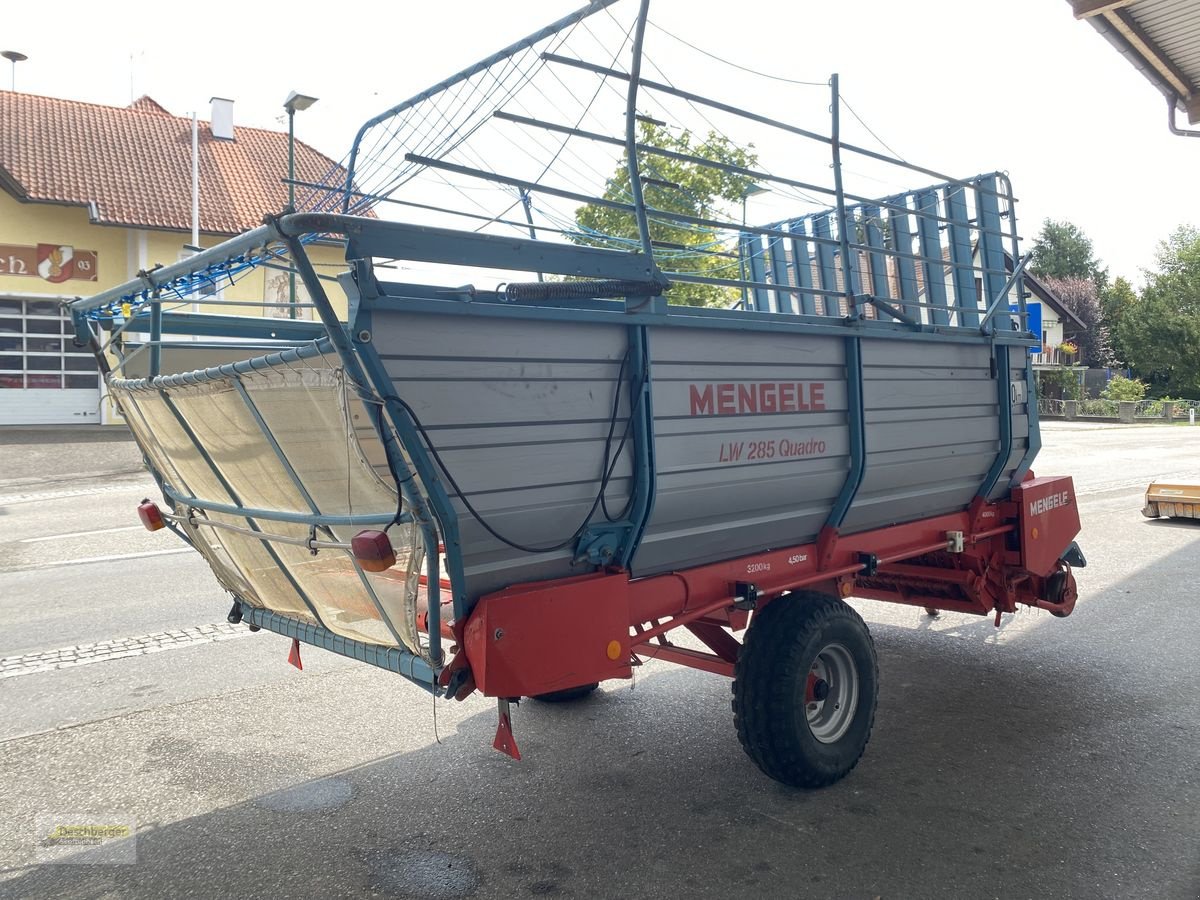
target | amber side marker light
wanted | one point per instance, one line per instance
(151, 515)
(373, 551)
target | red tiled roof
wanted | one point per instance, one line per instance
(133, 165)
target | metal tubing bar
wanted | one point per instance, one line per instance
(499, 56)
(745, 114)
(394, 659)
(156, 313)
(307, 543)
(394, 240)
(848, 275)
(889, 309)
(522, 183)
(1004, 402)
(150, 281)
(645, 484)
(683, 619)
(984, 324)
(856, 423)
(613, 312)
(684, 656)
(226, 371)
(1035, 430)
(753, 174)
(631, 160)
(203, 345)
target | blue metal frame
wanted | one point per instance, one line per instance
(274, 515)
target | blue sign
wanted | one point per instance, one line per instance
(1033, 312)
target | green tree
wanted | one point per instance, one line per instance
(1079, 295)
(1062, 250)
(683, 188)
(1161, 331)
(1115, 300)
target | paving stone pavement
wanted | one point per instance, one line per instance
(86, 654)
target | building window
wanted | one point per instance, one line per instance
(34, 354)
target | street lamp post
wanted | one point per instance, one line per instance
(293, 103)
(750, 191)
(14, 57)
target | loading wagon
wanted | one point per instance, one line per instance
(529, 489)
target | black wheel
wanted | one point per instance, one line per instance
(568, 694)
(804, 689)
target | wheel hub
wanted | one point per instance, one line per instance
(831, 693)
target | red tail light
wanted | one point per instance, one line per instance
(373, 550)
(151, 515)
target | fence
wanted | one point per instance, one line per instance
(1118, 410)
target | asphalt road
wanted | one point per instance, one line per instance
(1045, 759)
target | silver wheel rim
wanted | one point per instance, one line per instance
(834, 676)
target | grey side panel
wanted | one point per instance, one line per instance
(519, 413)
(932, 433)
(736, 482)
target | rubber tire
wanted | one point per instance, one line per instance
(568, 695)
(771, 675)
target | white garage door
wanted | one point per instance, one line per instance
(44, 379)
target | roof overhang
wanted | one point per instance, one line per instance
(1161, 38)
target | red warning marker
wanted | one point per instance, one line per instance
(505, 742)
(294, 654)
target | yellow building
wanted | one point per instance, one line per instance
(89, 196)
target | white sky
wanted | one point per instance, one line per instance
(962, 86)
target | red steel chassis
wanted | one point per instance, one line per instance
(548, 636)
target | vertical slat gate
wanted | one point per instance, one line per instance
(779, 274)
(873, 235)
(931, 250)
(965, 299)
(760, 300)
(991, 243)
(803, 263)
(906, 268)
(827, 265)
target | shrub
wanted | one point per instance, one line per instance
(1122, 388)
